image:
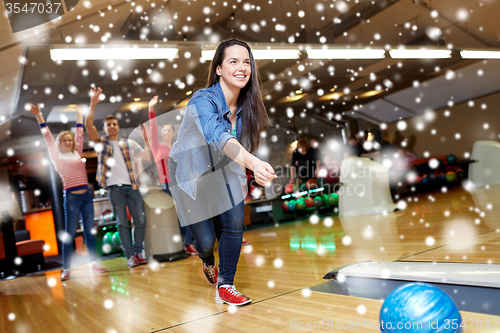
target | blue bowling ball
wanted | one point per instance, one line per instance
(451, 159)
(419, 307)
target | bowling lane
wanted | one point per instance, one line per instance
(298, 311)
(484, 249)
(477, 218)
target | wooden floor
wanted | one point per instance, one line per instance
(276, 271)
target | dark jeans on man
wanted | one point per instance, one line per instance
(121, 197)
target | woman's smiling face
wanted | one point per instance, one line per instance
(236, 69)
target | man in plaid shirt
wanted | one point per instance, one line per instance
(115, 172)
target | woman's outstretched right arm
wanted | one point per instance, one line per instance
(153, 127)
(263, 171)
(47, 135)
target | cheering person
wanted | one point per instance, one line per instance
(65, 153)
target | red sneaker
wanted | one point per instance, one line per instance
(132, 261)
(245, 242)
(95, 268)
(140, 260)
(211, 273)
(65, 275)
(191, 250)
(229, 295)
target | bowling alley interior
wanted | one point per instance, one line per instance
(383, 134)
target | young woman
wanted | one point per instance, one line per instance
(78, 200)
(205, 162)
(160, 153)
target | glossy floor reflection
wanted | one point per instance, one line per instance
(277, 271)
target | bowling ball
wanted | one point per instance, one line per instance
(318, 201)
(311, 184)
(115, 240)
(424, 180)
(321, 181)
(451, 159)
(291, 205)
(335, 196)
(300, 205)
(289, 188)
(442, 178)
(108, 238)
(295, 187)
(432, 178)
(331, 201)
(285, 206)
(303, 187)
(309, 202)
(451, 176)
(403, 310)
(460, 174)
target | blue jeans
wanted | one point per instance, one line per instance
(226, 224)
(187, 236)
(78, 205)
(204, 233)
(122, 197)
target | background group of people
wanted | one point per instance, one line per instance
(309, 163)
(229, 109)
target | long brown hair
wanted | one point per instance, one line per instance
(254, 119)
(59, 138)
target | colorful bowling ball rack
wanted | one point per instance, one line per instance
(310, 197)
(108, 240)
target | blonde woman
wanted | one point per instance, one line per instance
(65, 153)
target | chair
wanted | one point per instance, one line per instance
(17, 244)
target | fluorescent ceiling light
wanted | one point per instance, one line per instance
(480, 54)
(261, 54)
(346, 53)
(113, 53)
(420, 54)
(64, 113)
(207, 54)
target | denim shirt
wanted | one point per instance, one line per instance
(204, 131)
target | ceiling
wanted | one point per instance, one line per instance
(404, 88)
